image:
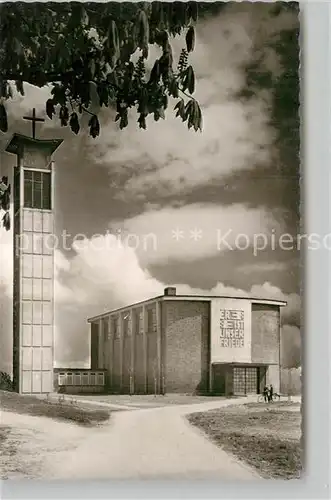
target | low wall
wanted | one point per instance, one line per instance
(74, 389)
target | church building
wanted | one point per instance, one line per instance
(189, 344)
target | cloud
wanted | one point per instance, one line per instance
(168, 157)
(96, 280)
(194, 231)
(34, 97)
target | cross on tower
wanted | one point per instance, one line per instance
(34, 119)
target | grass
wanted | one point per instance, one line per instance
(30, 405)
(266, 438)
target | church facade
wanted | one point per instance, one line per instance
(189, 344)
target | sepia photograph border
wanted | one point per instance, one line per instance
(316, 300)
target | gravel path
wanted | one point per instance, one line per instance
(147, 443)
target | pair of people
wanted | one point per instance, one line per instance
(268, 393)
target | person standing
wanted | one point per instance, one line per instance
(271, 393)
(266, 394)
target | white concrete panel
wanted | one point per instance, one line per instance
(47, 222)
(37, 221)
(37, 289)
(27, 289)
(47, 335)
(37, 262)
(37, 243)
(47, 289)
(27, 220)
(36, 382)
(36, 358)
(49, 243)
(27, 358)
(27, 312)
(26, 242)
(231, 330)
(47, 313)
(27, 266)
(37, 313)
(48, 268)
(26, 335)
(47, 359)
(36, 335)
(46, 382)
(26, 382)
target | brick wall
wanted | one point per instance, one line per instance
(265, 333)
(139, 360)
(185, 332)
(116, 375)
(151, 348)
(94, 345)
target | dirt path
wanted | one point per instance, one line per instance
(30, 442)
(148, 443)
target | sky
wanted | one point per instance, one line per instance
(165, 206)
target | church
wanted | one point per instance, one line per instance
(167, 344)
(189, 344)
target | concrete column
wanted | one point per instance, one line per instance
(210, 377)
(110, 353)
(159, 345)
(145, 345)
(132, 346)
(121, 331)
(100, 345)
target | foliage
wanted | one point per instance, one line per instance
(5, 382)
(5, 202)
(86, 49)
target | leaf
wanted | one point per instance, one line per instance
(5, 200)
(193, 11)
(142, 121)
(180, 106)
(142, 29)
(113, 42)
(124, 120)
(84, 19)
(3, 119)
(92, 67)
(190, 39)
(64, 116)
(173, 88)
(6, 221)
(155, 73)
(188, 109)
(94, 126)
(17, 47)
(190, 79)
(19, 87)
(74, 123)
(50, 109)
(59, 95)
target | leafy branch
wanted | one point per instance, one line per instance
(86, 49)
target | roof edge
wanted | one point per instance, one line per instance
(201, 298)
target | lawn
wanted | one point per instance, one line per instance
(267, 437)
(58, 410)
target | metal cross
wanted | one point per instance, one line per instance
(34, 119)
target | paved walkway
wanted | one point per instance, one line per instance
(149, 443)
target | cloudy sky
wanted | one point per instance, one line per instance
(176, 192)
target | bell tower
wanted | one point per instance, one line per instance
(33, 294)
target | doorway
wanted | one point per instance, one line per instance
(246, 380)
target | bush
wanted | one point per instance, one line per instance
(6, 383)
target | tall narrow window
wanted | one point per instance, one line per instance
(37, 189)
